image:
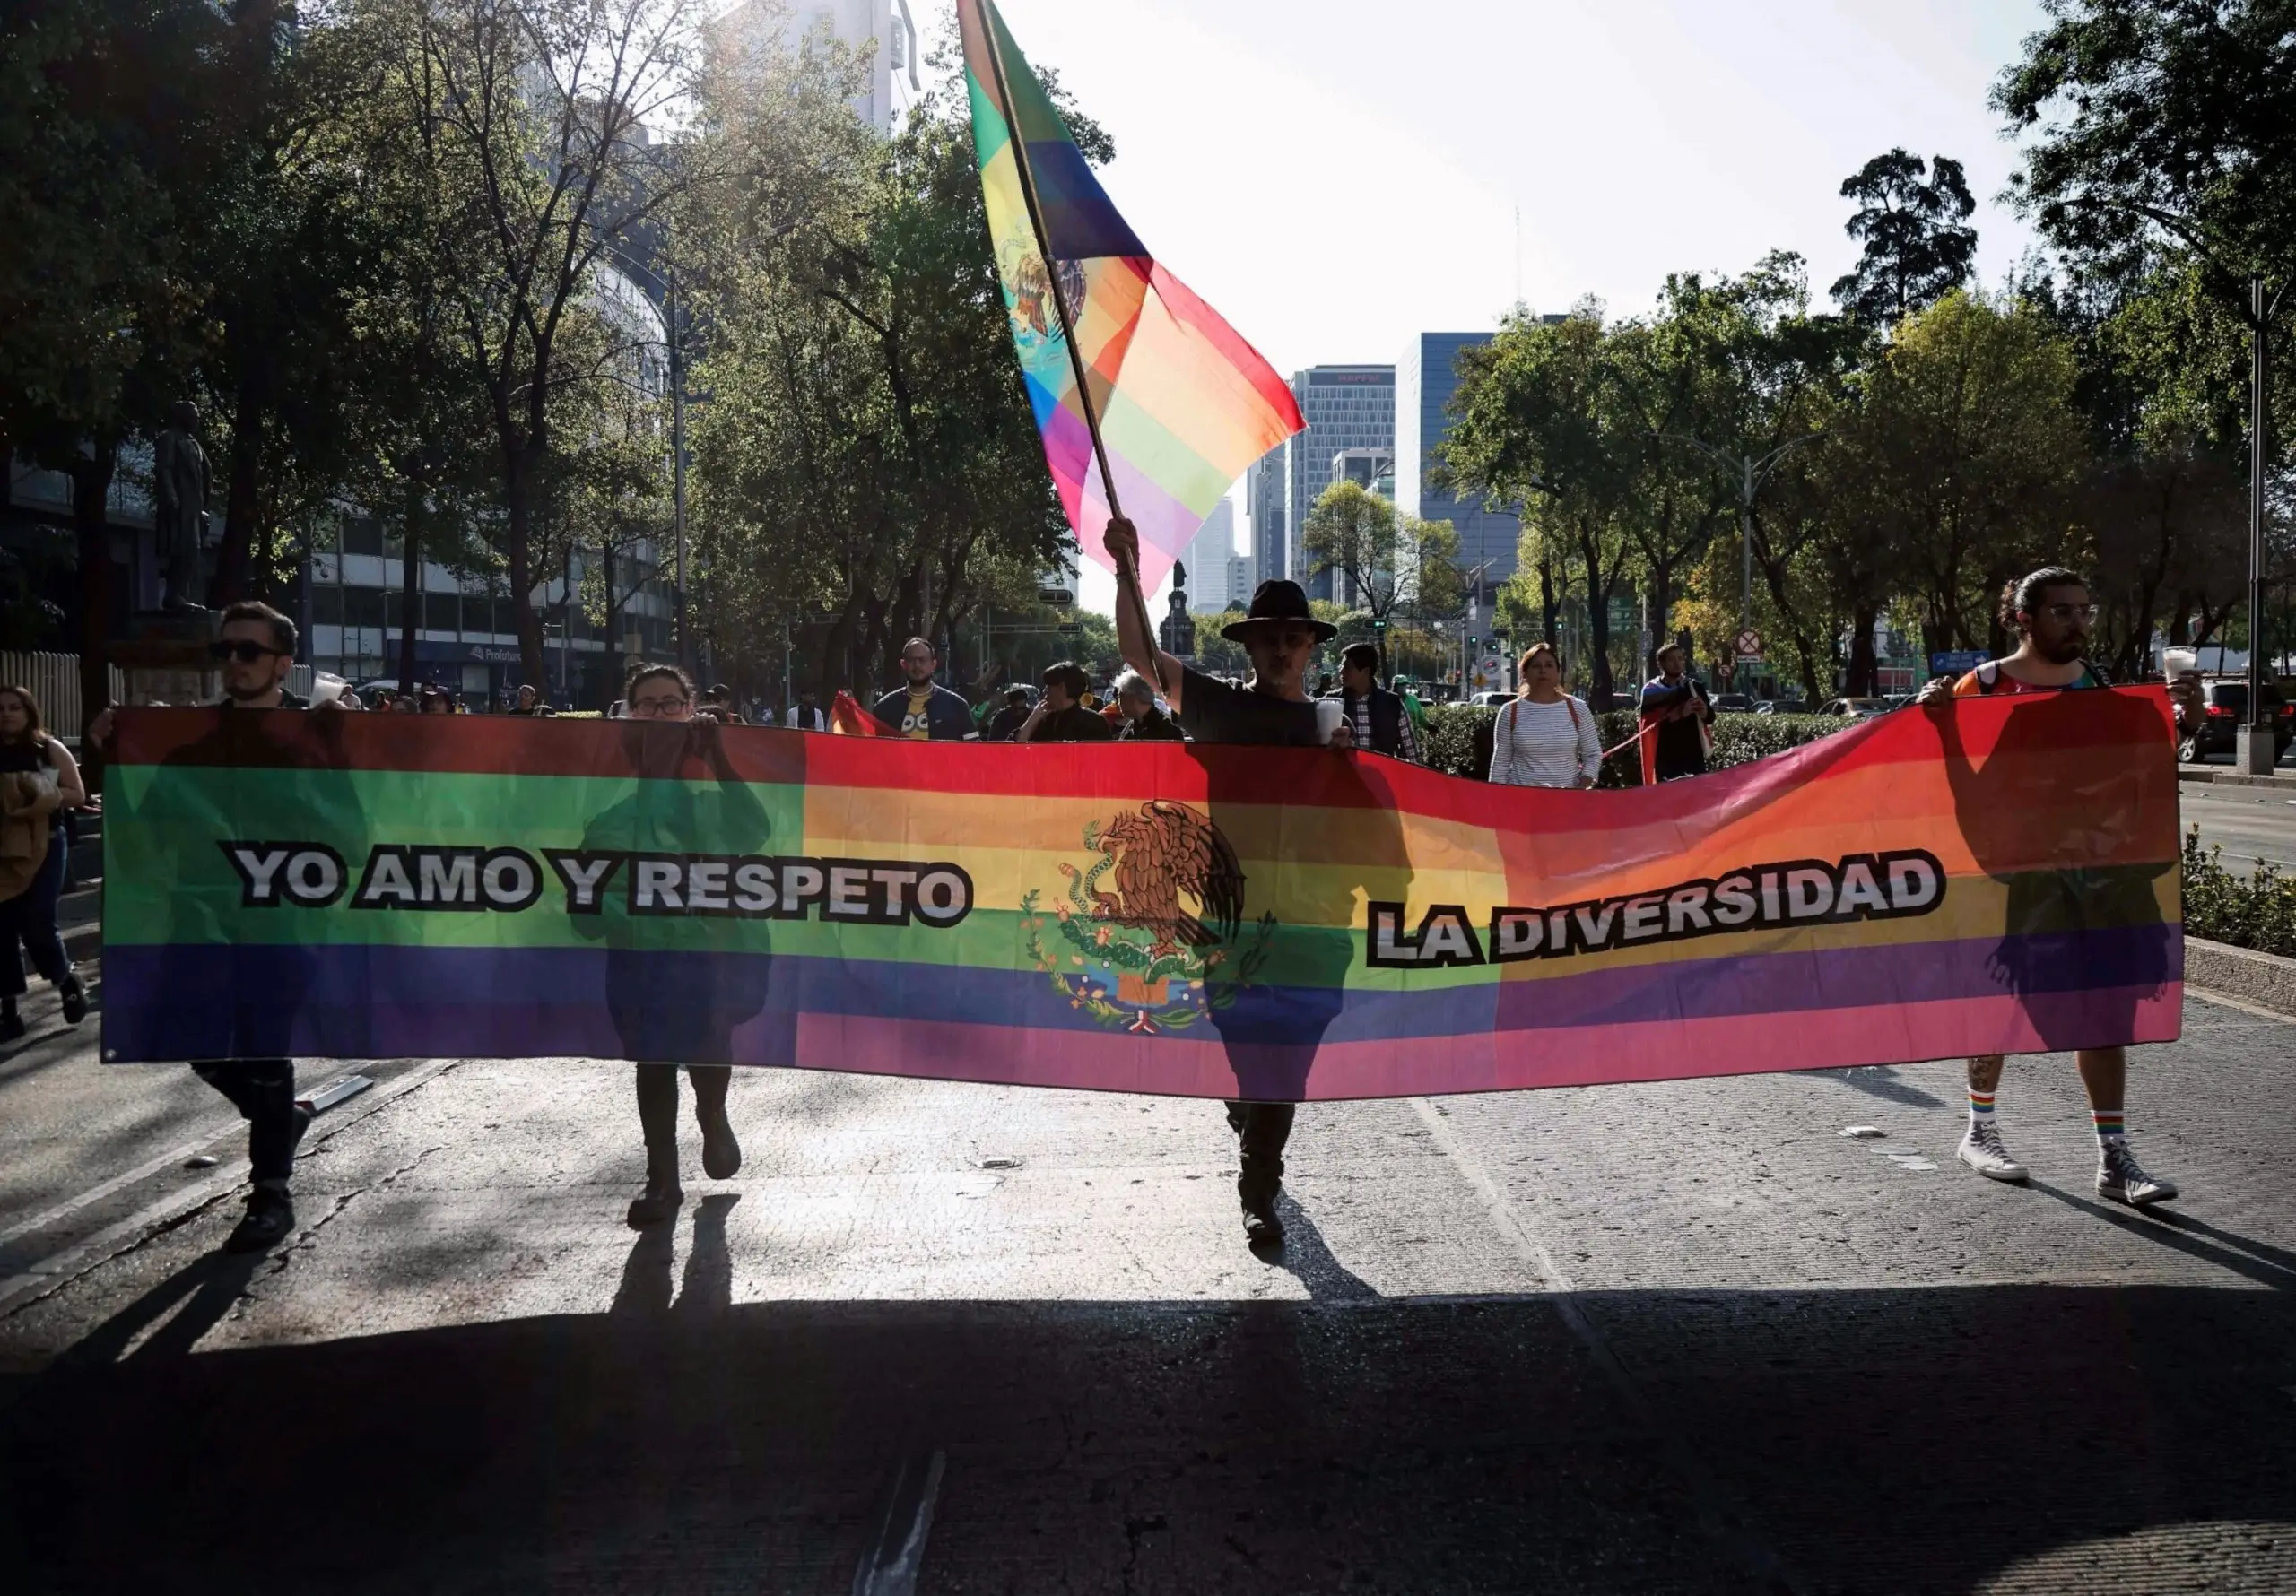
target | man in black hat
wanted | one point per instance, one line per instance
(1281, 637)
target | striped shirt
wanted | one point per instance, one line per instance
(1545, 745)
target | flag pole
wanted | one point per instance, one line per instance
(990, 21)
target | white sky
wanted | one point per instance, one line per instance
(1335, 175)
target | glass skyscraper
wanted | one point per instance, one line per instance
(1346, 408)
(1425, 379)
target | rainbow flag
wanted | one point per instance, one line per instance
(1997, 875)
(1185, 405)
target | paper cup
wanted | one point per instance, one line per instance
(1329, 713)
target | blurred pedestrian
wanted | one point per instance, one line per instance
(1545, 738)
(39, 782)
(1144, 722)
(1006, 724)
(527, 701)
(1378, 715)
(806, 714)
(924, 709)
(1060, 715)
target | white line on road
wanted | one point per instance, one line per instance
(97, 1194)
(890, 1563)
(1718, 1519)
(46, 1274)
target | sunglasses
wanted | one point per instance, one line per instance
(243, 650)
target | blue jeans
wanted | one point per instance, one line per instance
(29, 918)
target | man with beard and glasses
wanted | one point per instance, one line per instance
(2051, 612)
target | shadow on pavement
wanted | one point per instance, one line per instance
(2264, 1264)
(1406, 1445)
(1880, 1080)
(1306, 1255)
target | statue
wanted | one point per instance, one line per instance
(1178, 634)
(179, 488)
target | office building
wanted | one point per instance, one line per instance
(1217, 577)
(1425, 379)
(896, 67)
(1263, 513)
(1348, 409)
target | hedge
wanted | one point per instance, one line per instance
(2257, 911)
(1459, 740)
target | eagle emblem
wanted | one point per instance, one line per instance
(1146, 935)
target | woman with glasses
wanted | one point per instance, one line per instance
(38, 780)
(670, 1005)
(1545, 738)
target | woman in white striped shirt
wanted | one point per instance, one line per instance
(1545, 738)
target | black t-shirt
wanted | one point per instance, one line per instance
(1006, 724)
(1074, 724)
(1213, 712)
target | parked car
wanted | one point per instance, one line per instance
(1858, 708)
(1732, 704)
(2223, 706)
(1491, 701)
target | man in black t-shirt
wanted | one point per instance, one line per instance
(1280, 634)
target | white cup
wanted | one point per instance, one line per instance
(2178, 661)
(1329, 713)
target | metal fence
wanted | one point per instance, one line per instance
(53, 679)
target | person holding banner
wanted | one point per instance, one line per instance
(1545, 738)
(1675, 714)
(2051, 613)
(1279, 636)
(39, 786)
(925, 708)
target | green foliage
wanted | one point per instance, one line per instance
(2257, 911)
(1459, 740)
(1914, 226)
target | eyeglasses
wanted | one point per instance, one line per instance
(2064, 615)
(656, 708)
(241, 650)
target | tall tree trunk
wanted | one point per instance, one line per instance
(1601, 683)
(518, 512)
(1550, 611)
(91, 531)
(1863, 666)
(242, 499)
(410, 602)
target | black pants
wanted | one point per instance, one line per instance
(263, 1090)
(1262, 1129)
(657, 1105)
(30, 918)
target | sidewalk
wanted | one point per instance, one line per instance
(2226, 776)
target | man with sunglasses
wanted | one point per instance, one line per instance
(254, 651)
(2051, 613)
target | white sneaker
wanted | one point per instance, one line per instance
(2122, 1178)
(1982, 1152)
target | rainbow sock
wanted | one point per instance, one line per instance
(1981, 1108)
(2109, 1122)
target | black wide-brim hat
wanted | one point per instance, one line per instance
(1278, 602)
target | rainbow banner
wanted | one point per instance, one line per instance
(1185, 405)
(1998, 874)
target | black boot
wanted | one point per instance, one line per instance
(74, 996)
(11, 1024)
(663, 1195)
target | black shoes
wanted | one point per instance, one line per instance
(721, 1155)
(660, 1200)
(1262, 1227)
(11, 1024)
(75, 999)
(270, 1217)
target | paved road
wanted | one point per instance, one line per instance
(2250, 823)
(1650, 1338)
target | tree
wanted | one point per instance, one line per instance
(547, 113)
(1392, 564)
(1966, 453)
(1539, 424)
(1913, 219)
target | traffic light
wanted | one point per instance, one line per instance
(1379, 624)
(1474, 643)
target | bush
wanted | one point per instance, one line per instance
(2257, 911)
(1459, 740)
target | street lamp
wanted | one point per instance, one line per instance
(2256, 751)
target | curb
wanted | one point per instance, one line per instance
(2263, 979)
(2220, 775)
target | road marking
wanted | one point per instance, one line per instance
(46, 1274)
(1718, 1520)
(97, 1194)
(895, 1554)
